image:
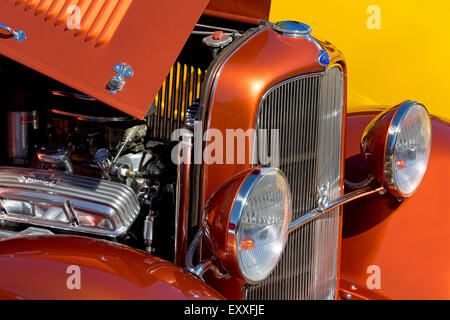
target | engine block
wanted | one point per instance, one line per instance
(66, 201)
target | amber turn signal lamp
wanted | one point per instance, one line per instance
(246, 223)
(396, 147)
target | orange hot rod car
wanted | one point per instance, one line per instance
(193, 150)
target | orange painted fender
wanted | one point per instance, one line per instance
(405, 242)
(70, 267)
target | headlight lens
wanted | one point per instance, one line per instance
(264, 218)
(408, 148)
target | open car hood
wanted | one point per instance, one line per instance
(86, 43)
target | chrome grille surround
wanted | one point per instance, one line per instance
(308, 111)
(66, 198)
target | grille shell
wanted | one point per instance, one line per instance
(308, 112)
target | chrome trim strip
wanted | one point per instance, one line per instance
(235, 216)
(182, 200)
(391, 140)
(316, 213)
(216, 28)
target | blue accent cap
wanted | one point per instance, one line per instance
(324, 59)
(292, 27)
(19, 35)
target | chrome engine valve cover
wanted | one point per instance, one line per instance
(66, 201)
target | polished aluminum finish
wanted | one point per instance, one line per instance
(131, 134)
(66, 201)
(149, 224)
(117, 82)
(179, 91)
(103, 158)
(189, 262)
(184, 160)
(316, 213)
(206, 266)
(361, 184)
(18, 35)
(30, 231)
(200, 269)
(308, 111)
(20, 127)
(192, 115)
(58, 156)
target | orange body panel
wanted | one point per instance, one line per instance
(216, 222)
(266, 59)
(36, 268)
(217, 215)
(407, 240)
(110, 32)
(249, 11)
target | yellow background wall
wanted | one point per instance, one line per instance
(406, 58)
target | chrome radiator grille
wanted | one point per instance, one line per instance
(307, 111)
(179, 90)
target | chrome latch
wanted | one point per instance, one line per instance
(117, 82)
(323, 201)
(18, 35)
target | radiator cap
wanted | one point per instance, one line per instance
(292, 28)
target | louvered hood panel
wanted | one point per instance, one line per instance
(79, 43)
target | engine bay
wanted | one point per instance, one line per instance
(74, 165)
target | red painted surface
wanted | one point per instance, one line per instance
(36, 268)
(408, 240)
(148, 35)
(264, 60)
(249, 11)
(217, 217)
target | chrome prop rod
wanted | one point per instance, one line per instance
(216, 28)
(316, 213)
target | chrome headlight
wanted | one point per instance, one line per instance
(396, 146)
(256, 208)
(408, 148)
